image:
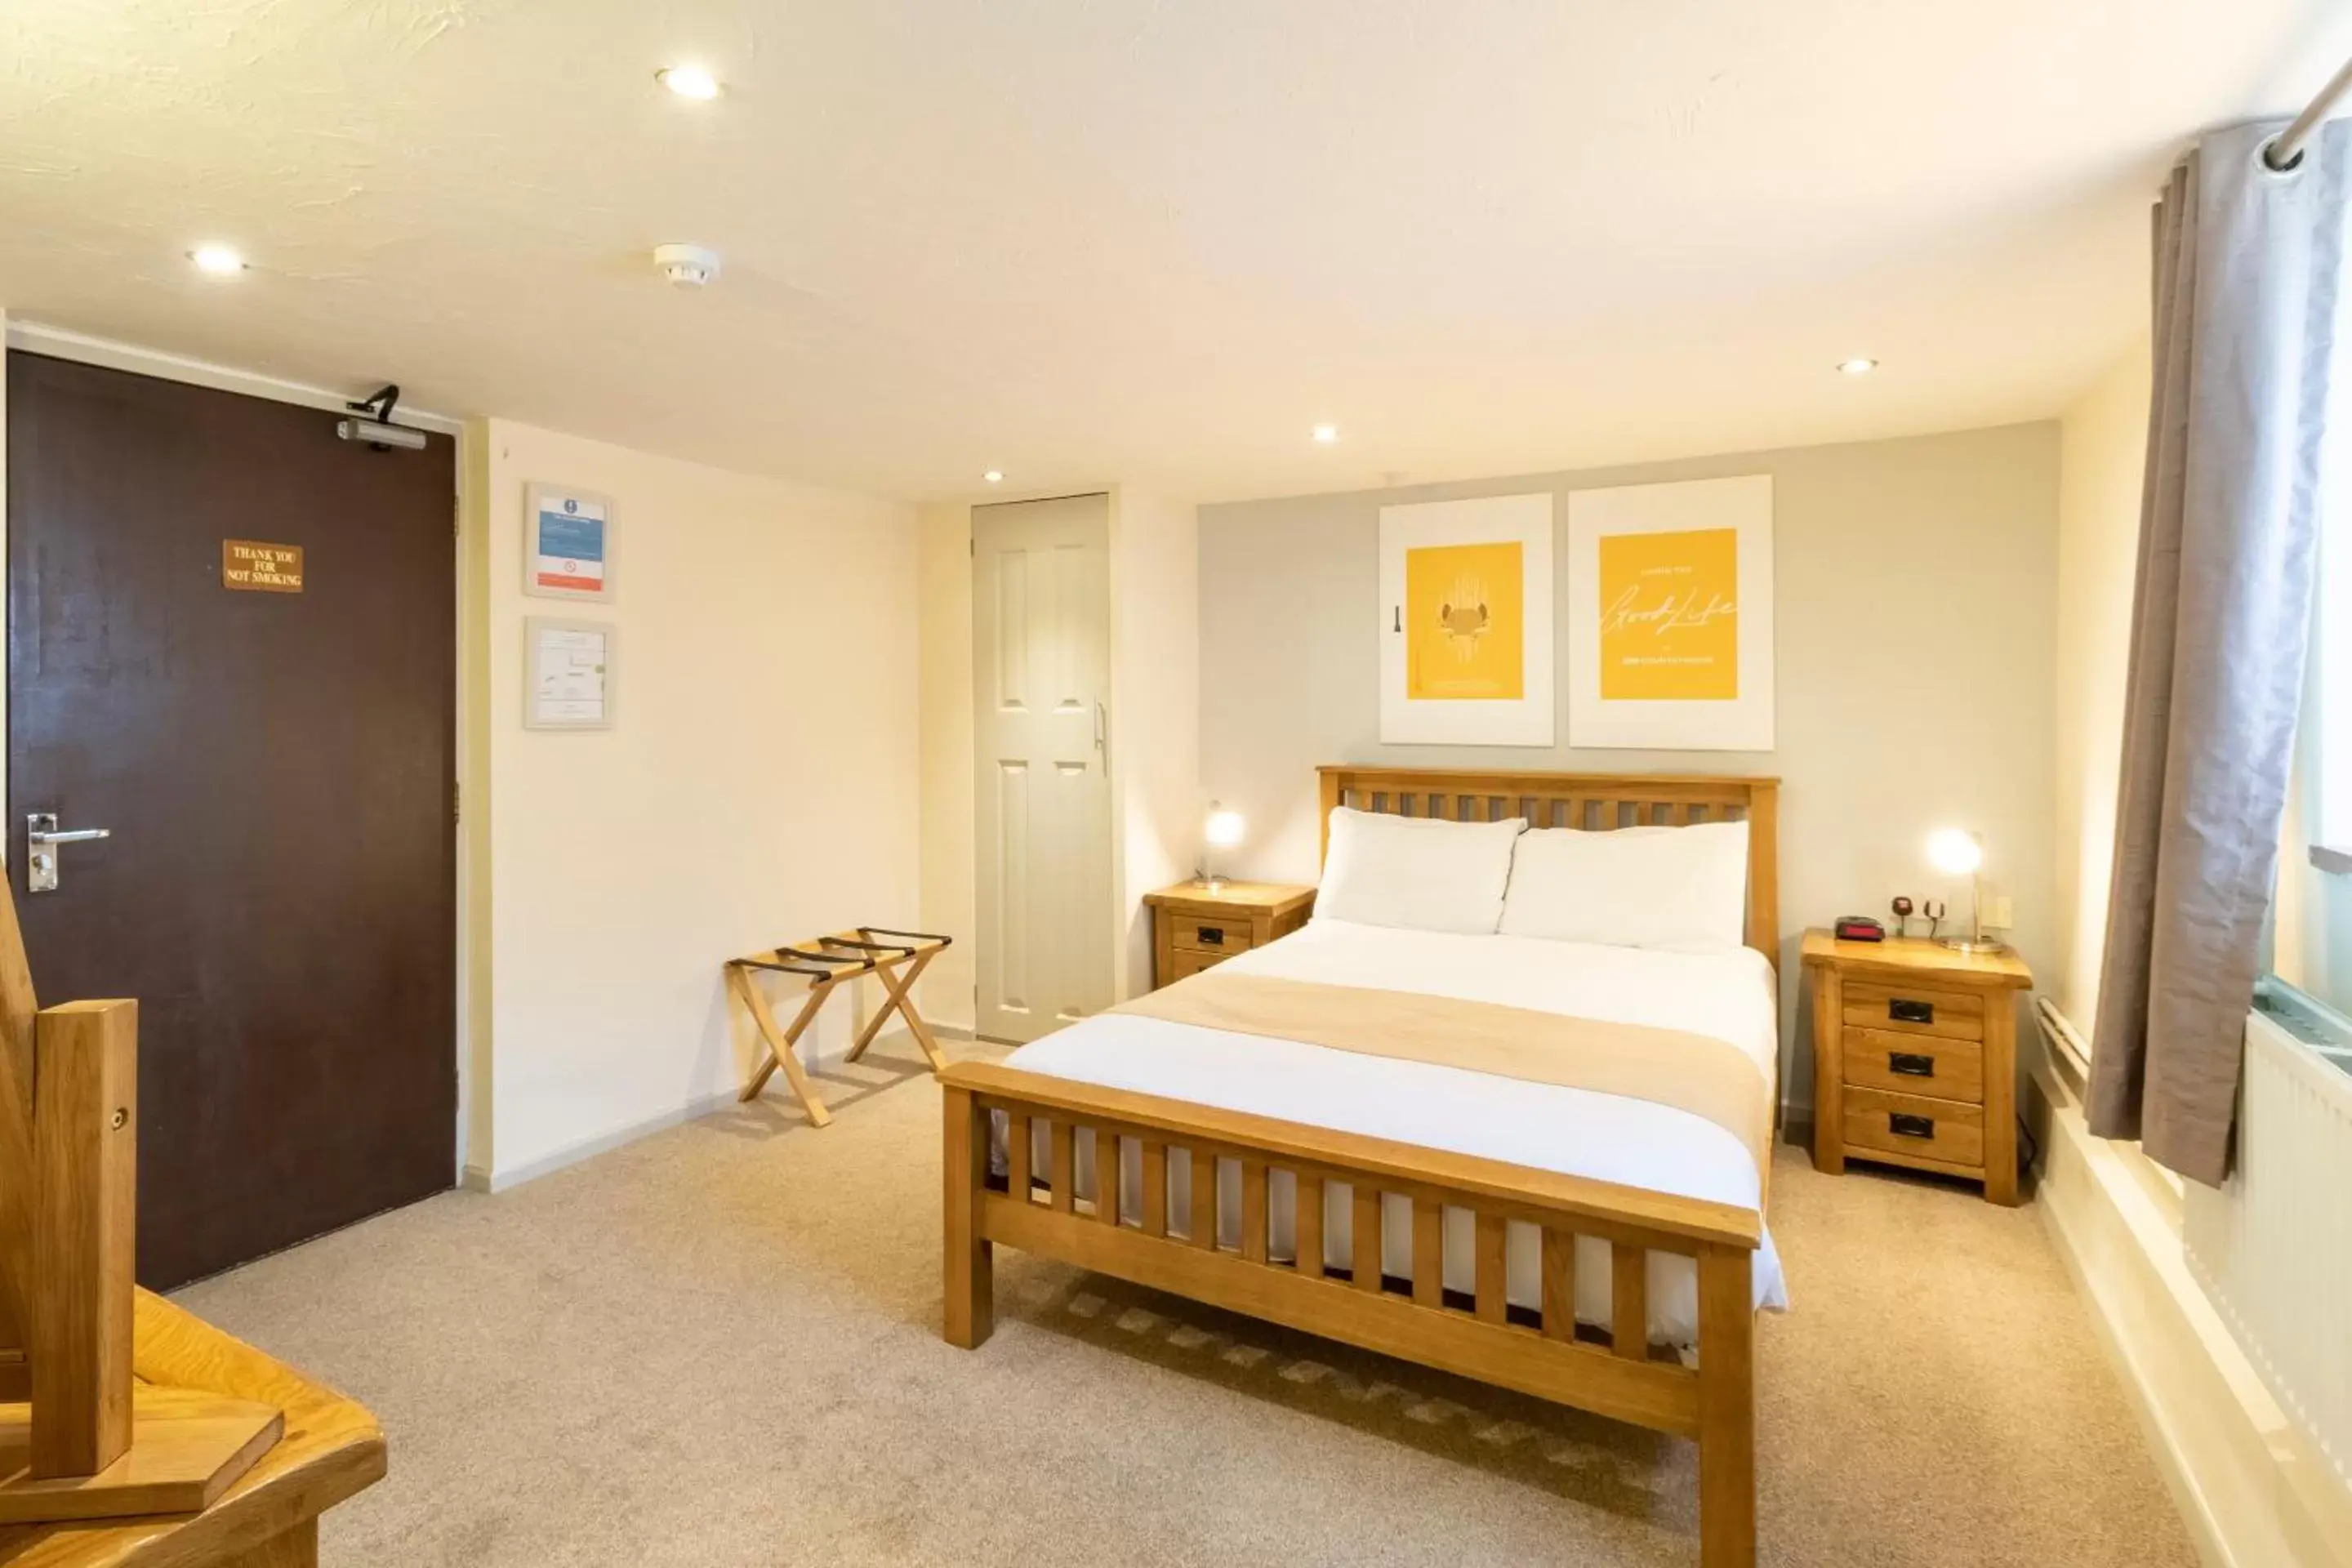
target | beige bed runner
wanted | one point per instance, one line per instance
(1697, 1073)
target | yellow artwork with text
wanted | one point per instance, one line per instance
(1670, 616)
(1466, 622)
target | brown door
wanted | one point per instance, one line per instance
(275, 771)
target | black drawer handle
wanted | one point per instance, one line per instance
(1911, 1064)
(1210, 936)
(1908, 1012)
(1904, 1126)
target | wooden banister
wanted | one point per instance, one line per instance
(17, 1056)
(86, 1115)
(333, 1450)
(148, 1437)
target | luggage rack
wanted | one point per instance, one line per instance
(897, 958)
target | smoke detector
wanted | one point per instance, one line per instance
(687, 265)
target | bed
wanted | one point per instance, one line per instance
(1599, 1248)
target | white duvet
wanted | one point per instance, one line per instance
(1725, 993)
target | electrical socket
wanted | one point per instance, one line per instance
(2000, 911)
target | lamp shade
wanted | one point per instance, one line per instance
(1955, 851)
(1225, 828)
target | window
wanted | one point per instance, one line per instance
(2308, 987)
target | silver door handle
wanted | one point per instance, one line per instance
(42, 835)
(70, 835)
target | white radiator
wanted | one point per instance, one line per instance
(2273, 1247)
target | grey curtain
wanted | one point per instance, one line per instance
(2249, 270)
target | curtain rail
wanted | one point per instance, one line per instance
(2287, 150)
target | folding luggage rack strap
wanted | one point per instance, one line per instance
(793, 961)
(825, 962)
(920, 938)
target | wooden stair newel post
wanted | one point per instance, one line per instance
(17, 1009)
(86, 1185)
(93, 1443)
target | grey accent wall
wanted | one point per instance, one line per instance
(1917, 607)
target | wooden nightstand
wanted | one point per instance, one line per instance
(1193, 928)
(1915, 1057)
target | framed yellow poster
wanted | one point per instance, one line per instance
(1670, 616)
(1467, 622)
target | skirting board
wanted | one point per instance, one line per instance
(477, 1180)
(2252, 1492)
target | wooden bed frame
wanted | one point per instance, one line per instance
(1477, 1335)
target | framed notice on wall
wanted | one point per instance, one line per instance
(1670, 616)
(567, 674)
(567, 543)
(1467, 622)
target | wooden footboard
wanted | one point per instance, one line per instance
(1479, 1335)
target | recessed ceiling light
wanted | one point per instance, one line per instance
(1326, 433)
(689, 81)
(217, 259)
(1857, 366)
(994, 475)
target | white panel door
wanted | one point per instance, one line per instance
(1040, 725)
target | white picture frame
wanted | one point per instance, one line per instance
(568, 671)
(1409, 716)
(567, 543)
(1601, 605)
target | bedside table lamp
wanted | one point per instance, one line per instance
(1223, 831)
(1957, 852)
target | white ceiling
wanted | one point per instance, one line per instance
(1151, 240)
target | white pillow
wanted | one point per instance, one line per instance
(1658, 887)
(1421, 872)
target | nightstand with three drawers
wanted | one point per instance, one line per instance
(1915, 1057)
(1195, 926)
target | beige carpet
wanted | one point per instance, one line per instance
(719, 1345)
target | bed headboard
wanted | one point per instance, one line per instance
(1582, 800)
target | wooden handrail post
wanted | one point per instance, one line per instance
(102, 1446)
(97, 1446)
(17, 1009)
(85, 1201)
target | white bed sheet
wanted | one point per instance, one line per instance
(1727, 994)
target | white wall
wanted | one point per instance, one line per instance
(760, 785)
(1157, 808)
(950, 887)
(1914, 608)
(2102, 455)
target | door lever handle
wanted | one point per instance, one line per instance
(69, 836)
(42, 835)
